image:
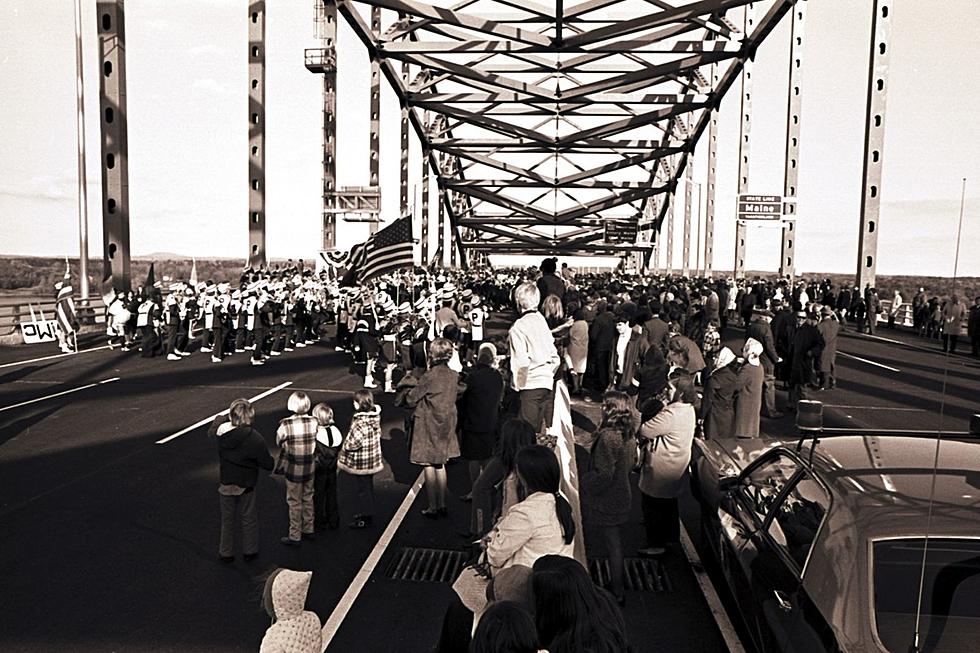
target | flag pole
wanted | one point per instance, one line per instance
(82, 178)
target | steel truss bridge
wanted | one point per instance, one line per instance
(545, 127)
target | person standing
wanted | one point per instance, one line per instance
(297, 437)
(328, 441)
(748, 387)
(759, 329)
(894, 309)
(241, 454)
(293, 629)
(667, 439)
(480, 411)
(602, 338)
(953, 313)
(550, 283)
(807, 345)
(533, 358)
(918, 302)
(434, 418)
(973, 327)
(873, 307)
(605, 485)
(578, 349)
(829, 330)
(360, 454)
(718, 404)
(843, 306)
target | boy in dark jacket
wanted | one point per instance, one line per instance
(241, 452)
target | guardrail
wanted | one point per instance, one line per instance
(15, 310)
(904, 317)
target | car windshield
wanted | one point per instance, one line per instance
(950, 620)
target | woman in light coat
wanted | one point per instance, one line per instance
(666, 440)
(748, 404)
(542, 523)
(953, 313)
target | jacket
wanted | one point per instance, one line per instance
(551, 284)
(953, 315)
(533, 356)
(656, 332)
(295, 630)
(360, 452)
(241, 453)
(434, 420)
(526, 532)
(602, 335)
(695, 361)
(481, 400)
(718, 404)
(297, 437)
(667, 454)
(761, 331)
(748, 402)
(828, 328)
(605, 486)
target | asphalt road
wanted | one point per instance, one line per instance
(109, 540)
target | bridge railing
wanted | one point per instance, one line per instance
(16, 310)
(904, 317)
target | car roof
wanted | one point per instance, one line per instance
(886, 482)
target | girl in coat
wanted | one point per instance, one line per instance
(360, 454)
(748, 405)
(666, 438)
(539, 525)
(718, 405)
(434, 439)
(605, 486)
(293, 629)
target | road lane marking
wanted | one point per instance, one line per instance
(888, 408)
(728, 633)
(60, 394)
(47, 358)
(347, 600)
(865, 360)
(207, 420)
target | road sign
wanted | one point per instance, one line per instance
(761, 207)
(621, 231)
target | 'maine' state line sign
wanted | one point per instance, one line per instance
(761, 207)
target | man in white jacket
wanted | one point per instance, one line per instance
(533, 358)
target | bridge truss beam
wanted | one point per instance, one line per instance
(541, 124)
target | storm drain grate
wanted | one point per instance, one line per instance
(426, 565)
(642, 574)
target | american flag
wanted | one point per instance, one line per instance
(385, 251)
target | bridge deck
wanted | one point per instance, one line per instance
(115, 536)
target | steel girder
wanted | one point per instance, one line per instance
(542, 122)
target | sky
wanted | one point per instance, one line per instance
(187, 105)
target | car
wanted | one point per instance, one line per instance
(822, 541)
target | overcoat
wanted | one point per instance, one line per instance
(434, 420)
(748, 403)
(829, 329)
(953, 315)
(718, 404)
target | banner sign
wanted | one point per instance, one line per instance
(621, 231)
(37, 331)
(760, 207)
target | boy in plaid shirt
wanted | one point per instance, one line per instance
(297, 437)
(360, 454)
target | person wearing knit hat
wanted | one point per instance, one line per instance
(748, 406)
(718, 403)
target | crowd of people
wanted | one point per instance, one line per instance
(654, 354)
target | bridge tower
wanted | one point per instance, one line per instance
(874, 143)
(256, 133)
(787, 263)
(744, 132)
(115, 141)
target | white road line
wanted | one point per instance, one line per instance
(888, 408)
(865, 360)
(728, 633)
(347, 600)
(59, 394)
(207, 420)
(47, 358)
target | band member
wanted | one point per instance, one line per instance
(172, 319)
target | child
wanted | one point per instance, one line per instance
(293, 628)
(360, 454)
(328, 440)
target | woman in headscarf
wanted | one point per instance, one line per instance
(718, 405)
(748, 404)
